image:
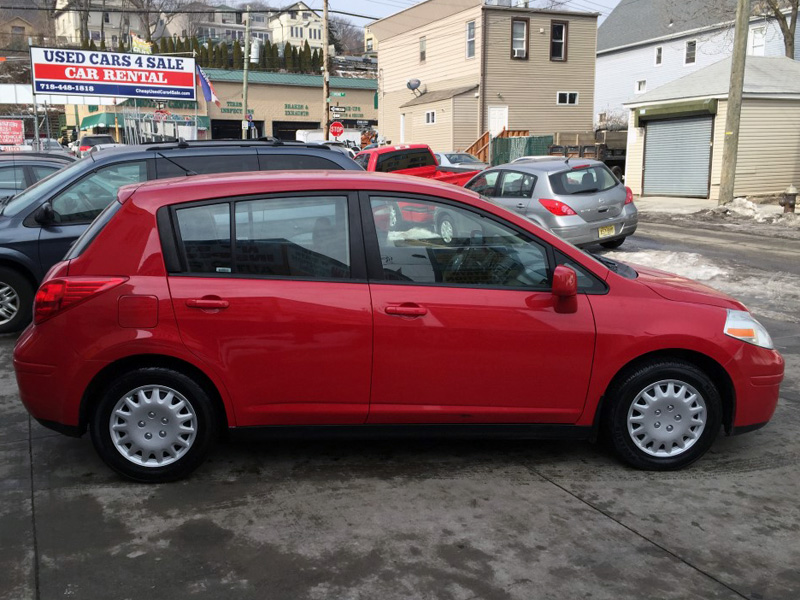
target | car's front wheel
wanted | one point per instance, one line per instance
(447, 229)
(153, 425)
(665, 414)
(16, 300)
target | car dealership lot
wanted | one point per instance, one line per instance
(425, 519)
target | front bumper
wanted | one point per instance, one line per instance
(756, 374)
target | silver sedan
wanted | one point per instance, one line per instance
(579, 200)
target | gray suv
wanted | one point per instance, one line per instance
(579, 200)
(38, 226)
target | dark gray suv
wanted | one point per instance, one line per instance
(38, 226)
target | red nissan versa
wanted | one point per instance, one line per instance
(292, 305)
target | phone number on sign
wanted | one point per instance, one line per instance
(66, 87)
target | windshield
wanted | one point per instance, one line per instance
(461, 158)
(583, 180)
(22, 201)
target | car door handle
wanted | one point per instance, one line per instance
(207, 303)
(521, 206)
(406, 310)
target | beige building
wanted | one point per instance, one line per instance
(676, 132)
(103, 22)
(280, 104)
(480, 67)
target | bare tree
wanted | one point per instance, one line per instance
(156, 14)
(788, 26)
(349, 35)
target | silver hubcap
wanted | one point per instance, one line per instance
(446, 231)
(667, 418)
(393, 216)
(153, 426)
(9, 303)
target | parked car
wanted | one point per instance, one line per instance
(237, 302)
(38, 226)
(101, 147)
(88, 141)
(409, 159)
(21, 170)
(580, 201)
(459, 161)
(49, 145)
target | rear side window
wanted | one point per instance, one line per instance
(88, 236)
(484, 183)
(206, 236)
(175, 165)
(362, 160)
(294, 162)
(405, 159)
(12, 178)
(583, 181)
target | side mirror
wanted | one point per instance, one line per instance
(565, 289)
(45, 215)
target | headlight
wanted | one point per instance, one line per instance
(741, 325)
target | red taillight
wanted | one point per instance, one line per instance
(57, 295)
(628, 196)
(85, 148)
(557, 208)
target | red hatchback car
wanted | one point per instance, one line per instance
(291, 304)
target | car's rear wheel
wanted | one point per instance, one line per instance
(153, 425)
(665, 414)
(16, 300)
(395, 217)
(447, 229)
(612, 244)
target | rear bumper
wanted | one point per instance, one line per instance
(589, 233)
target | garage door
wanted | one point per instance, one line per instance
(677, 157)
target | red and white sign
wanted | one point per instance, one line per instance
(12, 133)
(337, 129)
(116, 74)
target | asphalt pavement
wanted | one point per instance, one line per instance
(428, 519)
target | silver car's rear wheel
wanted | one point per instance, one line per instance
(667, 418)
(9, 303)
(153, 426)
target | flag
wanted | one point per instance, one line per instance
(140, 46)
(208, 89)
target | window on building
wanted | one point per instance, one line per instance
(292, 14)
(641, 86)
(659, 55)
(106, 18)
(471, 39)
(756, 42)
(558, 40)
(567, 98)
(369, 45)
(422, 46)
(17, 37)
(519, 38)
(691, 52)
(430, 117)
(306, 16)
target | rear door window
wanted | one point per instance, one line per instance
(42, 171)
(484, 183)
(206, 236)
(293, 162)
(174, 164)
(84, 200)
(587, 180)
(516, 185)
(12, 178)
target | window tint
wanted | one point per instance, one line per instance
(42, 171)
(583, 181)
(362, 160)
(12, 178)
(84, 200)
(87, 237)
(206, 235)
(291, 162)
(293, 237)
(404, 159)
(516, 185)
(484, 183)
(587, 283)
(94, 140)
(175, 165)
(460, 248)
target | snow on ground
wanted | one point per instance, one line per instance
(773, 294)
(742, 209)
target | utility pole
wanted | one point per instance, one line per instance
(326, 111)
(245, 121)
(730, 150)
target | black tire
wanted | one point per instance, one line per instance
(23, 290)
(612, 244)
(199, 405)
(446, 221)
(625, 392)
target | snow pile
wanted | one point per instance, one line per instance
(686, 264)
(787, 219)
(742, 209)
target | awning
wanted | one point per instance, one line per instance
(101, 119)
(203, 122)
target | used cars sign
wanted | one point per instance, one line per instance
(94, 73)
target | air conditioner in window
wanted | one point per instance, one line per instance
(519, 52)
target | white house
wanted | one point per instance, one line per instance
(645, 44)
(102, 23)
(297, 25)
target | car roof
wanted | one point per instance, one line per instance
(547, 166)
(154, 194)
(387, 149)
(36, 156)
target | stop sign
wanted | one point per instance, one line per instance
(337, 129)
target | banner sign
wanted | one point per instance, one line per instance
(117, 74)
(12, 133)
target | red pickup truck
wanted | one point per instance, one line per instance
(410, 159)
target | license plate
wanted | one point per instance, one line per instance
(606, 231)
